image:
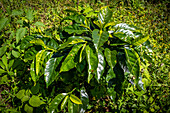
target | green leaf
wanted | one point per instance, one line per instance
(98, 39)
(81, 57)
(28, 108)
(2, 71)
(25, 43)
(35, 101)
(25, 98)
(30, 54)
(110, 57)
(64, 102)
(35, 89)
(69, 63)
(16, 12)
(110, 75)
(39, 61)
(53, 107)
(92, 62)
(39, 24)
(70, 106)
(38, 42)
(29, 15)
(70, 31)
(101, 65)
(16, 54)
(75, 99)
(32, 72)
(2, 50)
(133, 62)
(5, 61)
(84, 98)
(140, 40)
(3, 23)
(50, 74)
(20, 34)
(20, 94)
(104, 15)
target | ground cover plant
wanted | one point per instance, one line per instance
(84, 56)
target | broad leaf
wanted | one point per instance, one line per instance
(140, 40)
(85, 100)
(30, 54)
(2, 71)
(39, 61)
(98, 39)
(92, 62)
(38, 42)
(101, 65)
(64, 102)
(50, 73)
(20, 34)
(3, 23)
(16, 54)
(39, 24)
(35, 101)
(25, 43)
(20, 94)
(110, 57)
(104, 15)
(75, 99)
(32, 72)
(133, 62)
(70, 106)
(53, 107)
(69, 62)
(29, 15)
(28, 108)
(2, 50)
(5, 61)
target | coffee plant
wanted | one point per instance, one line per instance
(86, 60)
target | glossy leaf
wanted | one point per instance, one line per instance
(110, 75)
(70, 106)
(85, 100)
(133, 62)
(75, 99)
(28, 108)
(35, 101)
(110, 57)
(140, 40)
(32, 72)
(98, 39)
(25, 43)
(69, 63)
(38, 61)
(64, 102)
(38, 42)
(53, 107)
(3, 23)
(92, 62)
(30, 54)
(101, 65)
(81, 57)
(104, 15)
(50, 74)
(124, 26)
(21, 32)
(2, 50)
